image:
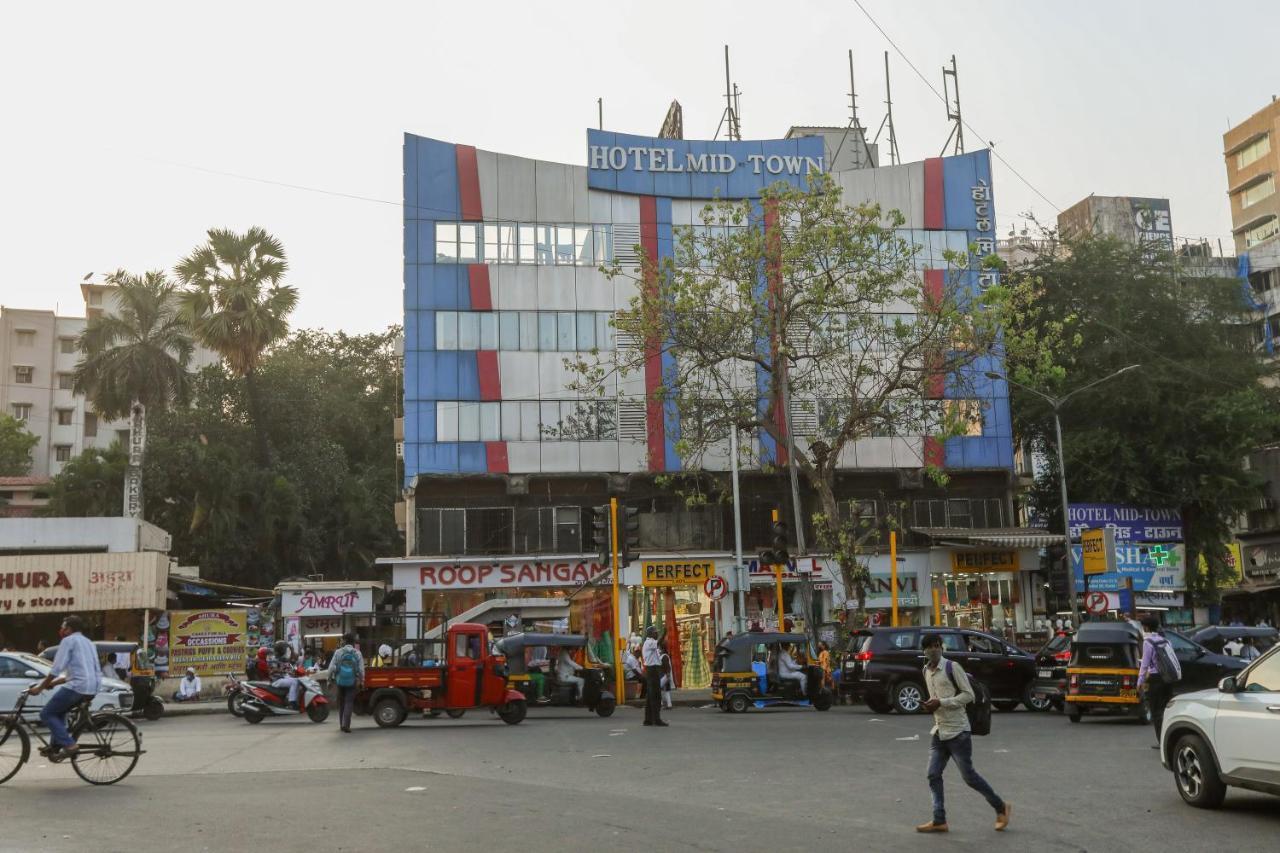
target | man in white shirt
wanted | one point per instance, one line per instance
(789, 670)
(75, 667)
(651, 654)
(567, 672)
(188, 687)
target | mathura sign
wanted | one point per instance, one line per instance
(78, 583)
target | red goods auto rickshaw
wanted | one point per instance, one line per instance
(453, 675)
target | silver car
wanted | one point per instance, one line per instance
(19, 669)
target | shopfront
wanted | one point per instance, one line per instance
(315, 615)
(115, 593)
(988, 589)
(672, 595)
(1258, 596)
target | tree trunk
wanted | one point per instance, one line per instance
(262, 446)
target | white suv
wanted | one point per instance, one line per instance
(1228, 736)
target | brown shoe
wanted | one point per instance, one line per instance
(933, 827)
(1002, 818)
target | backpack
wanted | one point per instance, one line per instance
(979, 710)
(346, 669)
(1166, 661)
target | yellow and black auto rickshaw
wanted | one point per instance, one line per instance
(1103, 672)
(747, 673)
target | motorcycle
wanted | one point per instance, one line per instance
(257, 700)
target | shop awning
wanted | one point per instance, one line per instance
(991, 537)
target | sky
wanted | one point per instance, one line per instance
(129, 129)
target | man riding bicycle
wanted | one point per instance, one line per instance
(75, 667)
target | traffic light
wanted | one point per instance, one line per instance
(600, 537)
(778, 553)
(628, 534)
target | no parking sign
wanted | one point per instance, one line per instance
(715, 587)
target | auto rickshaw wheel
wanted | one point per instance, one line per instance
(154, 709)
(1074, 713)
(513, 713)
(455, 713)
(823, 700)
(389, 712)
(738, 703)
(606, 707)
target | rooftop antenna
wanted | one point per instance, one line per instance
(951, 94)
(854, 125)
(600, 109)
(888, 116)
(730, 114)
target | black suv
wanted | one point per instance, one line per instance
(883, 667)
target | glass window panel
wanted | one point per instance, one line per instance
(468, 330)
(488, 330)
(447, 242)
(507, 243)
(490, 242)
(490, 421)
(510, 421)
(546, 331)
(604, 331)
(468, 253)
(549, 419)
(573, 421)
(528, 243)
(528, 330)
(468, 421)
(453, 531)
(565, 330)
(529, 422)
(446, 330)
(585, 254)
(565, 250)
(446, 421)
(603, 243)
(607, 418)
(546, 243)
(586, 330)
(509, 330)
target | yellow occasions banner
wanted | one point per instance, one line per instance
(210, 641)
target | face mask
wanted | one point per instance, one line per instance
(933, 654)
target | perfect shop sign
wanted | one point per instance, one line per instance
(497, 575)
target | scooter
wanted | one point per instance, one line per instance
(260, 700)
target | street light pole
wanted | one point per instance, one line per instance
(1056, 403)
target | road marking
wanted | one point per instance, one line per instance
(602, 755)
(913, 737)
(415, 788)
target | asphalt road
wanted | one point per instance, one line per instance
(566, 780)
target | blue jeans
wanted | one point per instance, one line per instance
(54, 714)
(960, 748)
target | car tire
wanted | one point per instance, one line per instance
(1074, 713)
(738, 703)
(879, 706)
(1196, 773)
(908, 697)
(1034, 703)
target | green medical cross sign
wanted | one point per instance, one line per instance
(1159, 556)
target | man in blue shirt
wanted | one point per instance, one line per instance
(76, 668)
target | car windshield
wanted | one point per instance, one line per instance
(34, 662)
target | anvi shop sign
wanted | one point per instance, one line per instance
(497, 574)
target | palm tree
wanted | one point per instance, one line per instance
(135, 358)
(237, 306)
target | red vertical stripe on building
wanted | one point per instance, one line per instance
(469, 183)
(490, 378)
(495, 457)
(773, 283)
(478, 283)
(655, 417)
(936, 383)
(935, 452)
(934, 209)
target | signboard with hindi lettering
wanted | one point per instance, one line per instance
(212, 642)
(1130, 523)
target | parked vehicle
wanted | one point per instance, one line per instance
(19, 669)
(1201, 668)
(745, 674)
(1226, 737)
(455, 675)
(883, 668)
(596, 693)
(1051, 671)
(260, 700)
(1216, 637)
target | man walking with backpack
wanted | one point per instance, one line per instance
(346, 669)
(1158, 672)
(952, 737)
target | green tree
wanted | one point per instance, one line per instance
(91, 484)
(238, 306)
(816, 300)
(1174, 433)
(15, 447)
(140, 353)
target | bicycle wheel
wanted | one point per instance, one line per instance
(15, 749)
(109, 749)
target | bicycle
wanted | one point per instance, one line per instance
(109, 743)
